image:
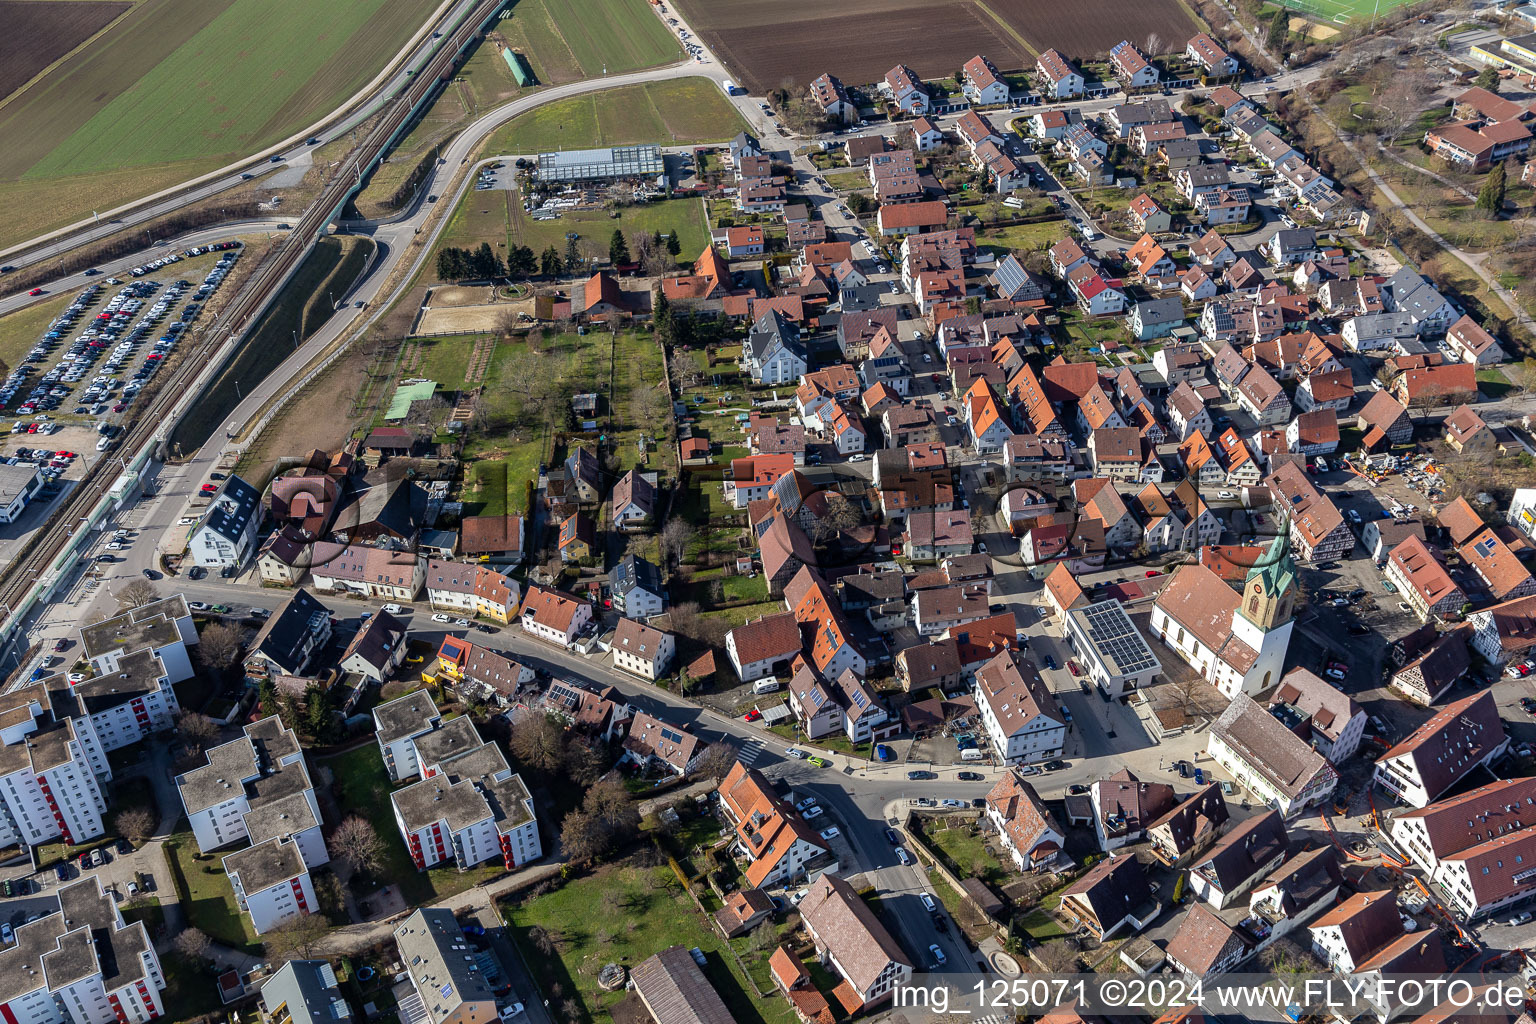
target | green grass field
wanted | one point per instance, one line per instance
(624, 915)
(682, 111)
(566, 40)
(497, 216)
(1341, 11)
(178, 87)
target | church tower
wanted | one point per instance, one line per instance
(1263, 619)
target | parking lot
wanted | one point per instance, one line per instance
(110, 342)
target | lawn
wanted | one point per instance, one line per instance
(361, 785)
(965, 851)
(1022, 237)
(623, 915)
(206, 895)
(178, 86)
(505, 452)
(681, 111)
(848, 180)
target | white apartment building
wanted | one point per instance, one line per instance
(467, 809)
(1018, 711)
(271, 882)
(226, 533)
(396, 725)
(81, 965)
(255, 788)
(48, 786)
(163, 627)
(1479, 848)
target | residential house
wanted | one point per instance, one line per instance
(1114, 894)
(851, 941)
(642, 650)
(1274, 763)
(1017, 710)
(1025, 826)
(553, 616)
(1457, 740)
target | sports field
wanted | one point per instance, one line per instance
(177, 87)
(679, 111)
(567, 40)
(1343, 11)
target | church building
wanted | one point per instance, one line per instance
(1237, 640)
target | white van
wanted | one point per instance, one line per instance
(972, 754)
(768, 685)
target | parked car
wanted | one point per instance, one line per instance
(971, 777)
(920, 776)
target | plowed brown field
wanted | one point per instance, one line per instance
(39, 32)
(1086, 30)
(765, 46)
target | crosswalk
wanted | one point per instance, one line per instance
(753, 753)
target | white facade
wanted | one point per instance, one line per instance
(88, 925)
(647, 664)
(1117, 659)
(557, 632)
(277, 898)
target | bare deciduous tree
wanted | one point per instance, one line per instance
(192, 944)
(296, 938)
(718, 759)
(356, 842)
(135, 593)
(219, 645)
(537, 740)
(136, 824)
(195, 729)
(674, 539)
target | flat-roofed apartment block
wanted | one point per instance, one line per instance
(448, 985)
(271, 882)
(469, 805)
(395, 728)
(81, 965)
(164, 627)
(48, 782)
(257, 788)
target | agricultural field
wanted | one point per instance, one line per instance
(1064, 27)
(767, 45)
(567, 40)
(682, 111)
(763, 45)
(39, 32)
(178, 87)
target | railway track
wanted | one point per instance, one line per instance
(26, 571)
